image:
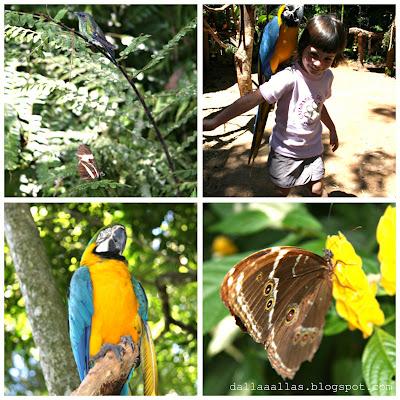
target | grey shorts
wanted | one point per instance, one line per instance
(287, 172)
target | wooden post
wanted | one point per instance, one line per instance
(244, 53)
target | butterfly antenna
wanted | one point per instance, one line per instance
(330, 211)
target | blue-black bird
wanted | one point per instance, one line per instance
(93, 33)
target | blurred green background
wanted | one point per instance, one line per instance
(231, 357)
(60, 93)
(161, 250)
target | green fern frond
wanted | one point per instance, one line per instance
(170, 46)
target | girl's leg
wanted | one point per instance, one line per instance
(316, 188)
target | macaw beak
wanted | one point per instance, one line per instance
(114, 242)
(293, 14)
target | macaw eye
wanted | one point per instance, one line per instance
(103, 235)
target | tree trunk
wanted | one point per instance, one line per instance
(390, 56)
(206, 52)
(360, 42)
(244, 53)
(45, 309)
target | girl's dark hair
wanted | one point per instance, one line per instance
(326, 33)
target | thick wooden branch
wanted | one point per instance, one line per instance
(109, 374)
(216, 9)
(359, 31)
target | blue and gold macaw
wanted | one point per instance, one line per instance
(278, 42)
(106, 306)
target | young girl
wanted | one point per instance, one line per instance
(295, 158)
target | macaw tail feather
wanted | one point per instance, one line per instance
(148, 362)
(259, 126)
(261, 119)
(125, 389)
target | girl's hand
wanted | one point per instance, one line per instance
(208, 124)
(333, 140)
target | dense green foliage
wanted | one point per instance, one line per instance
(60, 93)
(161, 252)
(371, 17)
(344, 355)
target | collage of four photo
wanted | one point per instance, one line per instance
(167, 226)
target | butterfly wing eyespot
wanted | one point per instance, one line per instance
(268, 287)
(292, 314)
(296, 337)
(304, 339)
(259, 277)
(313, 335)
(269, 304)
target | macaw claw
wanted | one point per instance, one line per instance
(127, 340)
(118, 350)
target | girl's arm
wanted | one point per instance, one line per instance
(240, 106)
(326, 119)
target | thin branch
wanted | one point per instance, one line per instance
(169, 319)
(177, 277)
(214, 35)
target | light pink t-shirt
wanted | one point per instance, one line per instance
(299, 96)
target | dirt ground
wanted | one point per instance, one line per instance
(363, 108)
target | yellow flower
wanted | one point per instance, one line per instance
(355, 298)
(386, 237)
(223, 246)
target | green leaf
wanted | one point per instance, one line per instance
(170, 46)
(379, 364)
(133, 46)
(242, 223)
(262, 19)
(222, 209)
(60, 15)
(301, 219)
(347, 371)
(11, 149)
(213, 275)
(333, 323)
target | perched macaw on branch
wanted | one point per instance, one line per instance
(278, 42)
(106, 306)
(93, 33)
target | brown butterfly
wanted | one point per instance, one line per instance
(280, 296)
(87, 166)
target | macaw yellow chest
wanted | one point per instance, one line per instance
(285, 46)
(115, 305)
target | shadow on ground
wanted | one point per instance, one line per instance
(227, 174)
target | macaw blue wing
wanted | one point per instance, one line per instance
(267, 48)
(268, 42)
(80, 312)
(147, 351)
(142, 299)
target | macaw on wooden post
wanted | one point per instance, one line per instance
(106, 306)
